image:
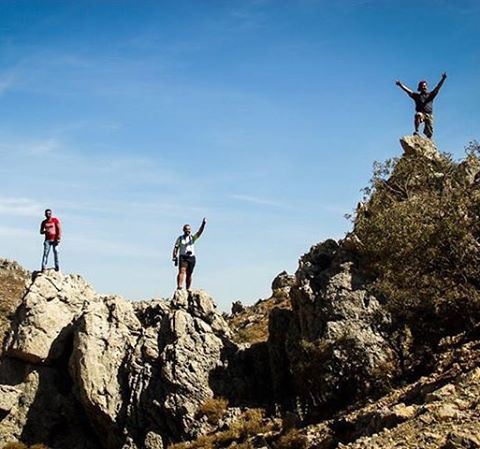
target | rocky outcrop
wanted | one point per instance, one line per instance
(282, 284)
(88, 371)
(129, 374)
(337, 343)
(43, 322)
(419, 146)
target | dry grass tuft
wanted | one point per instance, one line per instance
(214, 409)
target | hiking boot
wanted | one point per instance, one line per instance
(416, 133)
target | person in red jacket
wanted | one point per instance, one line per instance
(50, 227)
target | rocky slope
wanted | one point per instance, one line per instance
(353, 351)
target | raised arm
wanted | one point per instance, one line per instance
(200, 229)
(404, 88)
(439, 85)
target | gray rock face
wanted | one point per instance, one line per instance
(50, 306)
(134, 373)
(338, 338)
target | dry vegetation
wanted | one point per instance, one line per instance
(251, 325)
(214, 409)
(249, 424)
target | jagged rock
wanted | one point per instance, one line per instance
(8, 397)
(343, 324)
(115, 366)
(419, 146)
(282, 282)
(42, 324)
(41, 407)
(237, 307)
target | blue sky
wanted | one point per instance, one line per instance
(131, 118)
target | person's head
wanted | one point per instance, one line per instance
(187, 230)
(422, 86)
(48, 213)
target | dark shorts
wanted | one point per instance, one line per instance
(188, 262)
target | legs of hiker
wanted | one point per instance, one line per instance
(182, 274)
(427, 120)
(418, 119)
(55, 256)
(46, 251)
(428, 130)
(185, 271)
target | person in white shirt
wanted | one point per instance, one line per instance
(184, 247)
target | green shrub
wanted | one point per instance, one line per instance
(419, 232)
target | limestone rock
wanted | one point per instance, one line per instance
(344, 325)
(8, 397)
(109, 367)
(419, 146)
(43, 322)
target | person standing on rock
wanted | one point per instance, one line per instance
(185, 246)
(50, 227)
(423, 104)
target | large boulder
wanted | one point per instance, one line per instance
(44, 320)
(420, 146)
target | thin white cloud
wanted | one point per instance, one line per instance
(24, 207)
(257, 200)
(9, 231)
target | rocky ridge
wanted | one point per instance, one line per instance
(78, 364)
(329, 356)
